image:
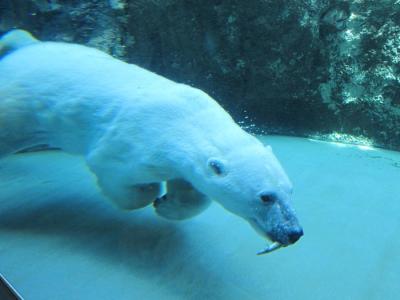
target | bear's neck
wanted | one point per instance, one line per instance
(186, 155)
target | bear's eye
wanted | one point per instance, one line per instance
(217, 166)
(267, 198)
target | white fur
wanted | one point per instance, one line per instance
(134, 127)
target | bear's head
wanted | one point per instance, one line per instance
(250, 182)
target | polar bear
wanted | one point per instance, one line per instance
(147, 139)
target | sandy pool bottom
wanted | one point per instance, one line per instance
(60, 239)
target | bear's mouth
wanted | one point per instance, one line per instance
(271, 247)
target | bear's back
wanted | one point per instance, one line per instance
(72, 65)
(73, 92)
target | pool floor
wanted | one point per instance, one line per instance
(61, 239)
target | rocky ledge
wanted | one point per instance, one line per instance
(310, 67)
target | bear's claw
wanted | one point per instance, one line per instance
(160, 200)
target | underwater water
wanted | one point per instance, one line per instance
(316, 71)
(60, 239)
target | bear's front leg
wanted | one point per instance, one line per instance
(182, 201)
(129, 197)
(116, 179)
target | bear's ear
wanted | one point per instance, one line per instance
(217, 166)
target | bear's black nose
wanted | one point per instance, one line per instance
(295, 235)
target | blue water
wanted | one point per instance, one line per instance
(60, 239)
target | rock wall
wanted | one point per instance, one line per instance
(303, 67)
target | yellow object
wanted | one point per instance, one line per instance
(14, 40)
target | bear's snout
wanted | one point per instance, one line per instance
(295, 235)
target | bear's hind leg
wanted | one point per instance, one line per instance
(182, 201)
